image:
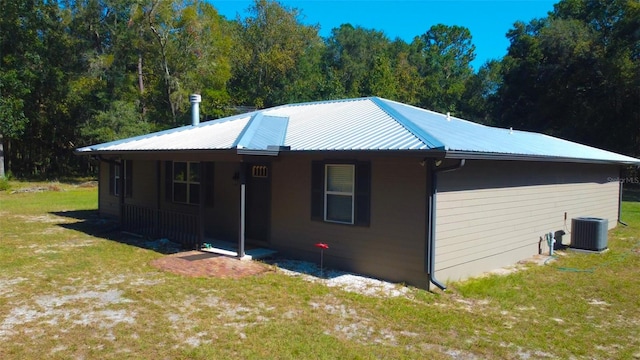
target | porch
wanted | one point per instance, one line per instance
(227, 248)
(185, 229)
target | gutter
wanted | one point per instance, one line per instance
(430, 247)
(453, 154)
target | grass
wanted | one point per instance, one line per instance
(67, 294)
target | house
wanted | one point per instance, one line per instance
(398, 192)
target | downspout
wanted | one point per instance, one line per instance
(621, 185)
(434, 170)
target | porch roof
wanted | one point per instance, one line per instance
(361, 124)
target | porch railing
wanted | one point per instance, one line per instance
(179, 227)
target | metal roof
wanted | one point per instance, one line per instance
(362, 124)
(210, 135)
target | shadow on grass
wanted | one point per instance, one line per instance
(631, 194)
(91, 223)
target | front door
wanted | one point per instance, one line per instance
(258, 208)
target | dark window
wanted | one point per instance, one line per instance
(340, 192)
(184, 180)
(116, 172)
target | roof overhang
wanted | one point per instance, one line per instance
(271, 150)
(540, 158)
(155, 152)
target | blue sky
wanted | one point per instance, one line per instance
(488, 20)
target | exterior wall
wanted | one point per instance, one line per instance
(492, 214)
(392, 248)
(109, 204)
(143, 192)
(145, 184)
(223, 220)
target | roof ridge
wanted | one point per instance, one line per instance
(409, 125)
(319, 102)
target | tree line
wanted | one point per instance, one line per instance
(77, 72)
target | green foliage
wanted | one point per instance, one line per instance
(4, 183)
(78, 72)
(120, 121)
(443, 57)
(271, 45)
(353, 55)
(576, 74)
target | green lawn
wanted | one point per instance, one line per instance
(67, 294)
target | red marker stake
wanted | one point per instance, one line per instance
(322, 247)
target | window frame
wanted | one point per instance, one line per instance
(188, 182)
(114, 178)
(351, 194)
(361, 191)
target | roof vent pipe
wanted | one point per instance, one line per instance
(195, 100)
(448, 116)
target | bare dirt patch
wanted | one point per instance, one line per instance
(200, 264)
(33, 189)
(81, 307)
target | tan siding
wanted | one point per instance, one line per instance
(109, 204)
(493, 214)
(391, 248)
(145, 188)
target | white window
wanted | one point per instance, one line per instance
(339, 193)
(186, 182)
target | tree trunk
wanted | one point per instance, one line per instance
(2, 174)
(141, 83)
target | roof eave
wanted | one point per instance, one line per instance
(519, 157)
(271, 150)
(162, 151)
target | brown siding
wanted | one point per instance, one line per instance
(145, 188)
(391, 248)
(222, 221)
(492, 214)
(489, 213)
